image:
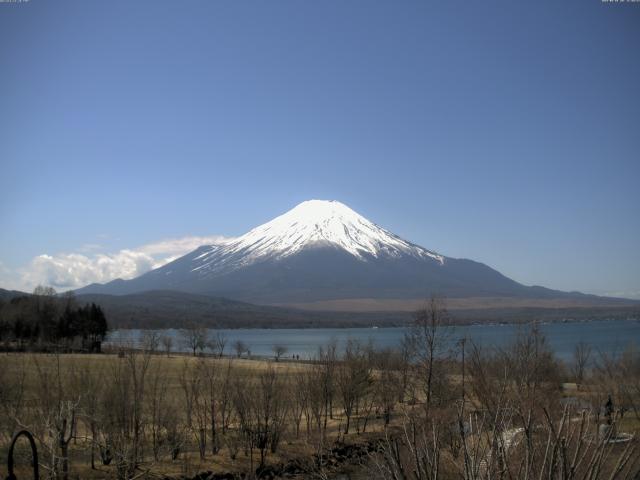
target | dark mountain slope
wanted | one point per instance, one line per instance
(172, 309)
(322, 251)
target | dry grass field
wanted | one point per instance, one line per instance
(143, 414)
(29, 371)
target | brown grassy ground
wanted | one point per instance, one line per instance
(471, 303)
(189, 461)
(171, 367)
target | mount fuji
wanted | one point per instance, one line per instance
(323, 251)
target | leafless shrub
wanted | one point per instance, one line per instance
(12, 399)
(122, 416)
(427, 340)
(581, 357)
(619, 376)
(240, 347)
(151, 341)
(262, 412)
(194, 338)
(167, 344)
(389, 384)
(193, 384)
(514, 428)
(353, 379)
(217, 344)
(279, 351)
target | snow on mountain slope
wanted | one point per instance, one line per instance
(311, 223)
(320, 250)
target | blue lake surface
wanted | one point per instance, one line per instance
(606, 336)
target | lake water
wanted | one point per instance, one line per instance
(607, 336)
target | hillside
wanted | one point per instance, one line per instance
(172, 309)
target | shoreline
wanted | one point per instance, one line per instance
(405, 325)
(610, 336)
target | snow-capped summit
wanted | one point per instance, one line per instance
(320, 250)
(312, 223)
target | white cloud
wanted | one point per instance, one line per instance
(6, 277)
(179, 246)
(66, 271)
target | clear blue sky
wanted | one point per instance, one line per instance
(506, 132)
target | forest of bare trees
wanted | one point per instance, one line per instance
(509, 413)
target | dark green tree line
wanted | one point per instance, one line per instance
(45, 318)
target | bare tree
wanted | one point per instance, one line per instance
(151, 341)
(12, 398)
(327, 359)
(218, 344)
(57, 413)
(317, 402)
(225, 397)
(193, 383)
(353, 379)
(414, 453)
(581, 356)
(194, 338)
(300, 401)
(123, 415)
(213, 379)
(167, 343)
(514, 429)
(89, 381)
(262, 412)
(388, 386)
(279, 351)
(428, 338)
(174, 431)
(619, 376)
(158, 410)
(240, 347)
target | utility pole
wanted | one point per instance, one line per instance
(462, 343)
